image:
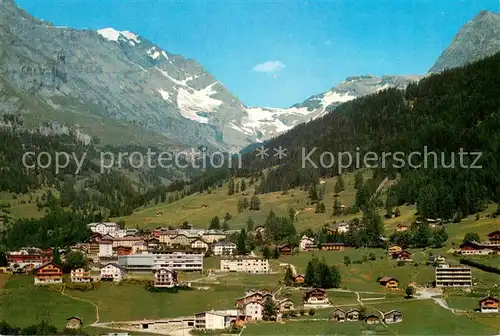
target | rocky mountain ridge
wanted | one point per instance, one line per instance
(123, 87)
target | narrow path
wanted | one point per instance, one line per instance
(86, 301)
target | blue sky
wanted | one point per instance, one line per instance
(278, 53)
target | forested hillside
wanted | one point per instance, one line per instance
(457, 109)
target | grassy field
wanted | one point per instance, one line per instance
(22, 304)
(23, 206)
(363, 276)
(219, 203)
(420, 317)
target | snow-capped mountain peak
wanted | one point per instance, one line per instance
(114, 35)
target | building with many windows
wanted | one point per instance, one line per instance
(173, 260)
(247, 264)
(453, 276)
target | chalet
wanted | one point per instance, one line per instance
(488, 305)
(199, 244)
(112, 272)
(403, 255)
(494, 237)
(393, 316)
(47, 274)
(333, 247)
(389, 282)
(372, 319)
(285, 249)
(394, 249)
(122, 250)
(338, 315)
(285, 305)
(250, 296)
(74, 322)
(316, 296)
(353, 315)
(306, 243)
(80, 275)
(165, 278)
(475, 248)
(299, 279)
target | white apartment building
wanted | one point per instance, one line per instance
(112, 272)
(104, 228)
(215, 319)
(224, 248)
(175, 260)
(254, 310)
(105, 248)
(246, 264)
(453, 276)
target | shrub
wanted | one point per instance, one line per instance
(400, 263)
(312, 312)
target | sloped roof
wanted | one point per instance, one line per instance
(386, 278)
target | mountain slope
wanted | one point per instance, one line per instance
(66, 74)
(476, 39)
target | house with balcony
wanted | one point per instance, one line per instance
(389, 282)
(80, 275)
(48, 274)
(165, 278)
(488, 304)
(316, 297)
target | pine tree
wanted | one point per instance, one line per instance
(230, 187)
(250, 224)
(243, 185)
(240, 206)
(291, 214)
(214, 224)
(313, 194)
(246, 204)
(266, 252)
(358, 180)
(241, 240)
(276, 253)
(312, 276)
(288, 278)
(225, 226)
(270, 310)
(255, 203)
